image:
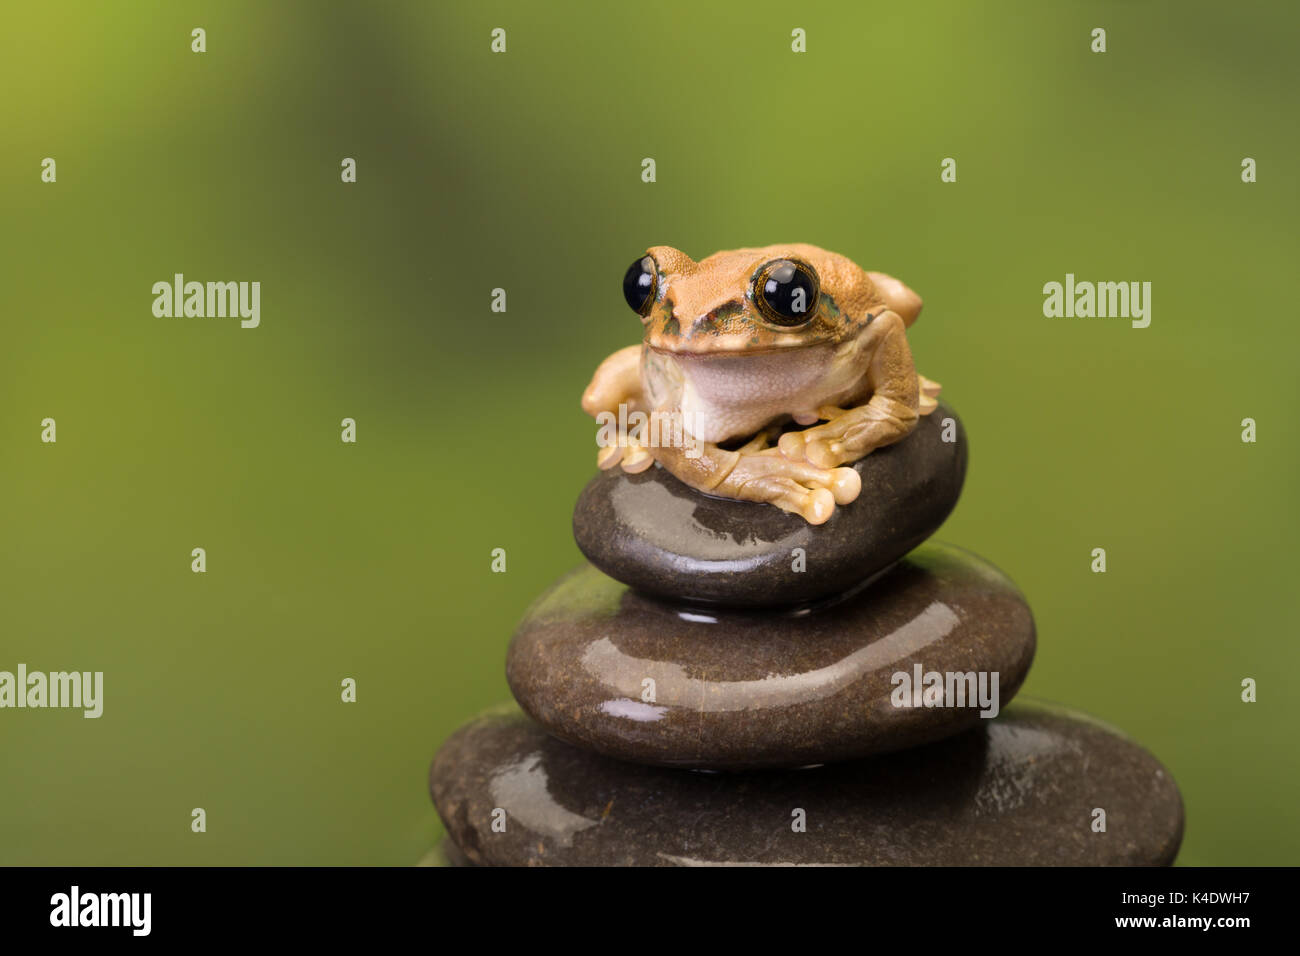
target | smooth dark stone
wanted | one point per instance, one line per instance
(658, 535)
(1018, 790)
(743, 689)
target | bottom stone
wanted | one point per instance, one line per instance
(1021, 790)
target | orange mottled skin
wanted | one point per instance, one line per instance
(713, 358)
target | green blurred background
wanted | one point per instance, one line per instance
(522, 171)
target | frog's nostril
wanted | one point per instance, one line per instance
(704, 325)
(712, 321)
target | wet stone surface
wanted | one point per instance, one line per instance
(631, 677)
(656, 534)
(1018, 790)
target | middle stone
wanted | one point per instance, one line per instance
(631, 677)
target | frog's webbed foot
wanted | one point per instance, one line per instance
(751, 474)
(802, 488)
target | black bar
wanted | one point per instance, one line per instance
(371, 904)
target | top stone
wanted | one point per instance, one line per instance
(663, 538)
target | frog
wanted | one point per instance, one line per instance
(782, 364)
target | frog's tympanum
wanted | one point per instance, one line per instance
(739, 345)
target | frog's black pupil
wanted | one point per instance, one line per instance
(639, 283)
(790, 293)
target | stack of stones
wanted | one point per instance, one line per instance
(726, 684)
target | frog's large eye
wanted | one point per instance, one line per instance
(639, 284)
(786, 292)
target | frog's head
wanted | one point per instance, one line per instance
(749, 300)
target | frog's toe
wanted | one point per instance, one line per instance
(609, 456)
(824, 453)
(815, 505)
(846, 485)
(637, 460)
(818, 506)
(928, 394)
(791, 445)
(818, 492)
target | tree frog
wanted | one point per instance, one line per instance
(741, 344)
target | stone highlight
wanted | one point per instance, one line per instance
(655, 534)
(630, 677)
(1020, 790)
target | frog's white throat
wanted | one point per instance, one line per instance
(728, 396)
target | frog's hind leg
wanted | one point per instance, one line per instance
(764, 476)
(804, 489)
(897, 296)
(929, 394)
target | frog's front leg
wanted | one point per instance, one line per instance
(764, 476)
(890, 414)
(617, 382)
(617, 386)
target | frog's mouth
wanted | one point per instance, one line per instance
(762, 376)
(728, 347)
